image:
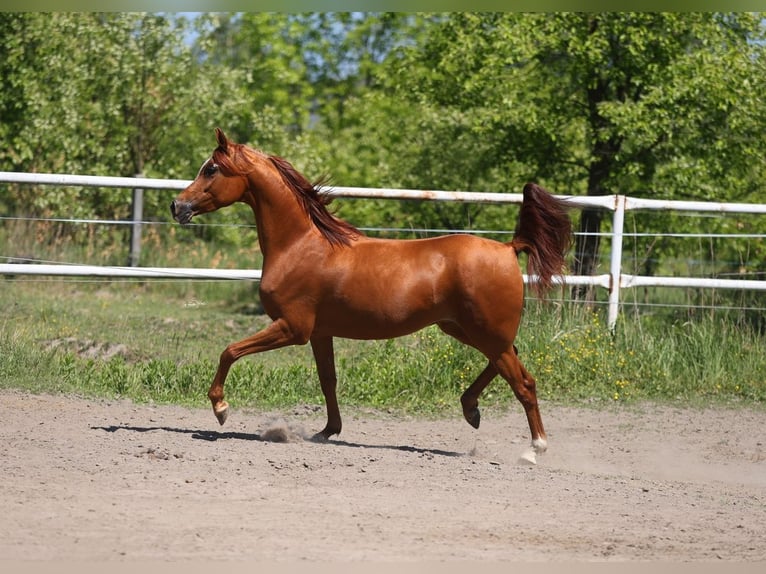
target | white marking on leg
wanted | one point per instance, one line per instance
(540, 445)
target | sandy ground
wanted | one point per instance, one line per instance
(102, 481)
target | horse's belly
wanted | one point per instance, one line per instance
(384, 320)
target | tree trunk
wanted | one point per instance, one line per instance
(587, 246)
(588, 240)
(606, 144)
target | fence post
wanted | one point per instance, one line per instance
(615, 265)
(135, 229)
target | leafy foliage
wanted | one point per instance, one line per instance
(654, 104)
(633, 103)
(103, 94)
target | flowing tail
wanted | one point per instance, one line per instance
(544, 233)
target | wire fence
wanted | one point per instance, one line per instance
(712, 268)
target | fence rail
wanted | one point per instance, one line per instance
(613, 281)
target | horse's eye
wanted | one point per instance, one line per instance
(210, 169)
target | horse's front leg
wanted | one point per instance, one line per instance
(277, 334)
(325, 361)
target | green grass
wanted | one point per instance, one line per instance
(708, 359)
(57, 336)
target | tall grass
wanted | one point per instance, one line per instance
(155, 341)
(579, 359)
(160, 340)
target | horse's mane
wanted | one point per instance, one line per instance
(311, 197)
(315, 201)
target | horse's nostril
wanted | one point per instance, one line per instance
(181, 211)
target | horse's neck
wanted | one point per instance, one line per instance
(281, 222)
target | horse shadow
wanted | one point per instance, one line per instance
(268, 436)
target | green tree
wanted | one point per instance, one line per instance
(312, 82)
(299, 70)
(105, 94)
(264, 49)
(653, 104)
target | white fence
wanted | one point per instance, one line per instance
(613, 281)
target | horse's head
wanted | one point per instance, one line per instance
(218, 184)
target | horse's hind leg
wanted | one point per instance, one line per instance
(325, 361)
(524, 387)
(470, 397)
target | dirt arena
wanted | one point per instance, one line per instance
(113, 481)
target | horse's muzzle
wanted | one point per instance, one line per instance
(181, 211)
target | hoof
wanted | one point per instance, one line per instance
(319, 437)
(325, 434)
(528, 457)
(473, 418)
(221, 411)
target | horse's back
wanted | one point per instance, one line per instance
(447, 262)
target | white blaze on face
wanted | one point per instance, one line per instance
(202, 167)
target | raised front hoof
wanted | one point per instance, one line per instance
(473, 417)
(221, 411)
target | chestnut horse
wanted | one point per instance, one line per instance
(322, 278)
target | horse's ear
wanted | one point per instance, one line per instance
(223, 143)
